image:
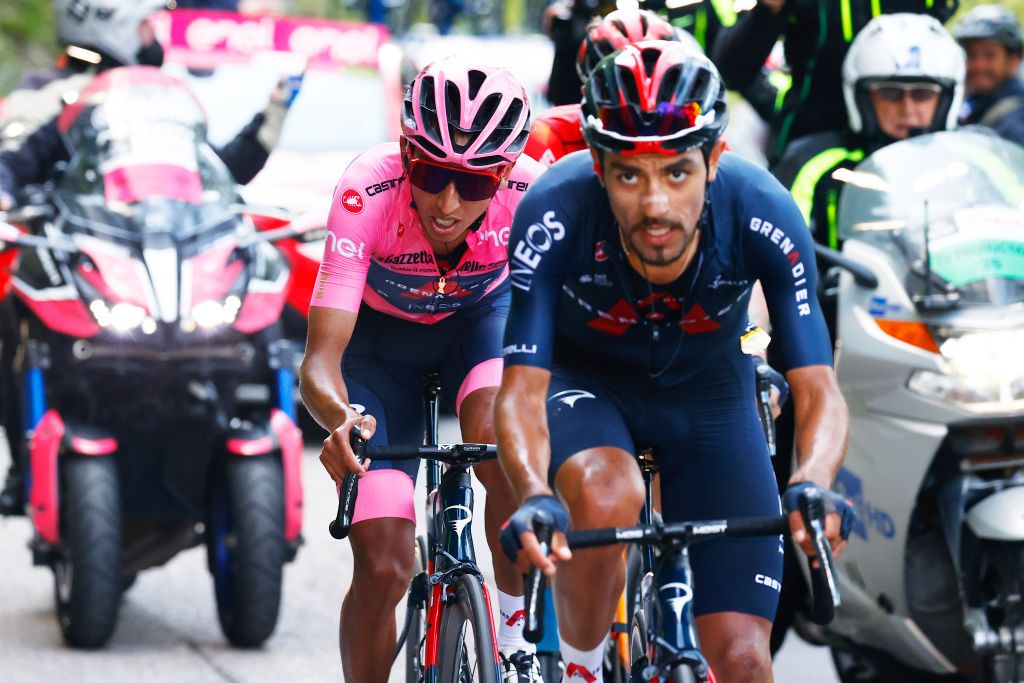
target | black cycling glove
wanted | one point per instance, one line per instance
(774, 377)
(833, 503)
(522, 520)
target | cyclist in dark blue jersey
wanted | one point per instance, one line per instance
(631, 269)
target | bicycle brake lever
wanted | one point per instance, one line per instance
(342, 523)
(534, 582)
(823, 585)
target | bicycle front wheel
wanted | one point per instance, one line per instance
(466, 650)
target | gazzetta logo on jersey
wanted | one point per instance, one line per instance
(537, 241)
(352, 201)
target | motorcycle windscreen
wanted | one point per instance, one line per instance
(955, 198)
(136, 133)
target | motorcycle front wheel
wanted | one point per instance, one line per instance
(87, 571)
(246, 547)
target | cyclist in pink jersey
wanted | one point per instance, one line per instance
(415, 280)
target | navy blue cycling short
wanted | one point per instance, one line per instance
(384, 366)
(711, 452)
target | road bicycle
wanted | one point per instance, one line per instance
(663, 642)
(448, 635)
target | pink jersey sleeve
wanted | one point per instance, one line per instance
(353, 231)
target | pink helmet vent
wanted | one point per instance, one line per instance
(466, 115)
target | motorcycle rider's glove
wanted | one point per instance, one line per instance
(522, 521)
(774, 377)
(833, 503)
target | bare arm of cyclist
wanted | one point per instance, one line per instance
(522, 429)
(324, 393)
(822, 424)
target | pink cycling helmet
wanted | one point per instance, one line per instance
(484, 103)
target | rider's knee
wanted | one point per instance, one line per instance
(608, 500)
(386, 572)
(743, 661)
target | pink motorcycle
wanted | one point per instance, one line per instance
(157, 385)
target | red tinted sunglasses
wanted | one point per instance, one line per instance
(472, 186)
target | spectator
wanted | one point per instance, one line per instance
(991, 36)
(565, 21)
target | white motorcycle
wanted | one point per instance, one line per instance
(931, 363)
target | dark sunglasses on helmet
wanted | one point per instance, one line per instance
(891, 91)
(667, 120)
(472, 186)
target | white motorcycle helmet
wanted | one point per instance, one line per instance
(108, 26)
(903, 47)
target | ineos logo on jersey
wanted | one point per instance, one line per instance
(352, 201)
(343, 246)
(796, 266)
(526, 255)
(570, 396)
(382, 186)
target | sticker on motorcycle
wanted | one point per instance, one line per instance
(869, 517)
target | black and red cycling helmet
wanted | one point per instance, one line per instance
(654, 97)
(617, 30)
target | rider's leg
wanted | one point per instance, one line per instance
(601, 487)
(12, 494)
(720, 469)
(736, 646)
(476, 418)
(383, 552)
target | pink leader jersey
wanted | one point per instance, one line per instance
(375, 251)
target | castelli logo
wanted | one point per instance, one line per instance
(352, 201)
(599, 253)
(401, 229)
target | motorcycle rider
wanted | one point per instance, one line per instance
(882, 108)
(816, 35)
(99, 37)
(903, 75)
(991, 36)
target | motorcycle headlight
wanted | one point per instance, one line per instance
(122, 317)
(209, 315)
(982, 372)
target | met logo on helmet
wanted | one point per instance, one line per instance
(352, 201)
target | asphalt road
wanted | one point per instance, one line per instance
(168, 630)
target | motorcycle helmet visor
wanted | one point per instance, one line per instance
(895, 91)
(472, 186)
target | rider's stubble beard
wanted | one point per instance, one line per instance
(659, 255)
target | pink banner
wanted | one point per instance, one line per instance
(207, 38)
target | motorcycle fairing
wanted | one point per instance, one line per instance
(43, 498)
(50, 438)
(289, 437)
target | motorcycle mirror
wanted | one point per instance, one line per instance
(862, 275)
